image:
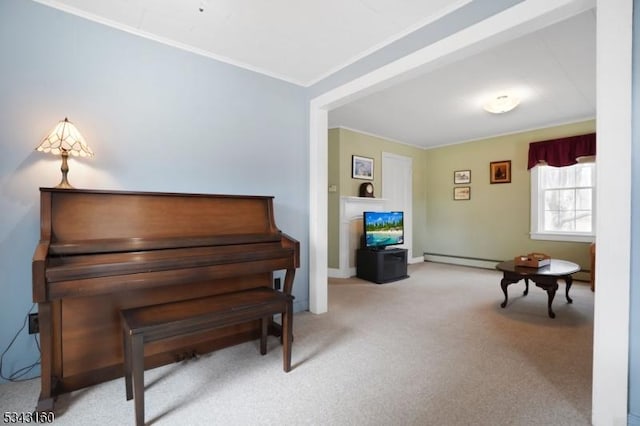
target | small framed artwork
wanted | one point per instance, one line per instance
(500, 172)
(362, 167)
(462, 176)
(462, 193)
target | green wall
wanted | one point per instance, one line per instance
(495, 223)
(344, 143)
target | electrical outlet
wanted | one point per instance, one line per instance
(34, 323)
(276, 284)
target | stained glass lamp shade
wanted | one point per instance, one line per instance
(63, 140)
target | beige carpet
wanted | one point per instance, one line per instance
(434, 349)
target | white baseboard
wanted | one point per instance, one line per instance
(335, 273)
(478, 263)
(582, 276)
(486, 264)
(416, 260)
(339, 273)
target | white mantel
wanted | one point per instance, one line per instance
(351, 208)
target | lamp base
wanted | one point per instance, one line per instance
(64, 183)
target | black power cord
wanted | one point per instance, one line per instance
(17, 375)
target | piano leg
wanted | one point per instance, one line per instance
(45, 404)
(287, 335)
(264, 326)
(288, 281)
(47, 398)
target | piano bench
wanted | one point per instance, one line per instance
(150, 323)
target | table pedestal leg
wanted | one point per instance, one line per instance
(568, 279)
(551, 291)
(504, 283)
(550, 285)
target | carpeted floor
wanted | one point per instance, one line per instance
(434, 349)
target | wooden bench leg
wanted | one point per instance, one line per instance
(137, 361)
(287, 336)
(126, 349)
(264, 325)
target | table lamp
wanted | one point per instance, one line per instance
(63, 140)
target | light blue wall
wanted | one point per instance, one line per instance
(634, 328)
(158, 119)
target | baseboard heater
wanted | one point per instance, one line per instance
(477, 262)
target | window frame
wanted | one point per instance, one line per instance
(537, 232)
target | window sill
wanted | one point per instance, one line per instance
(576, 238)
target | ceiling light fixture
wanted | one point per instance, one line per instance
(501, 104)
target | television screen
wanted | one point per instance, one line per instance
(383, 229)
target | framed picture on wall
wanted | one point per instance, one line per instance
(362, 167)
(462, 176)
(462, 193)
(500, 171)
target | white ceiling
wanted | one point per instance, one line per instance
(303, 41)
(553, 71)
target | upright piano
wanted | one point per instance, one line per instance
(103, 251)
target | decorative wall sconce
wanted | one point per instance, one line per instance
(63, 140)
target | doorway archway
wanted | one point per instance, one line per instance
(614, 123)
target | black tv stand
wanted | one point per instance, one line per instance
(380, 265)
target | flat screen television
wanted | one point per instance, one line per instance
(382, 229)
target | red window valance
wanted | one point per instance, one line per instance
(562, 152)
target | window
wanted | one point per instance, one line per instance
(563, 202)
